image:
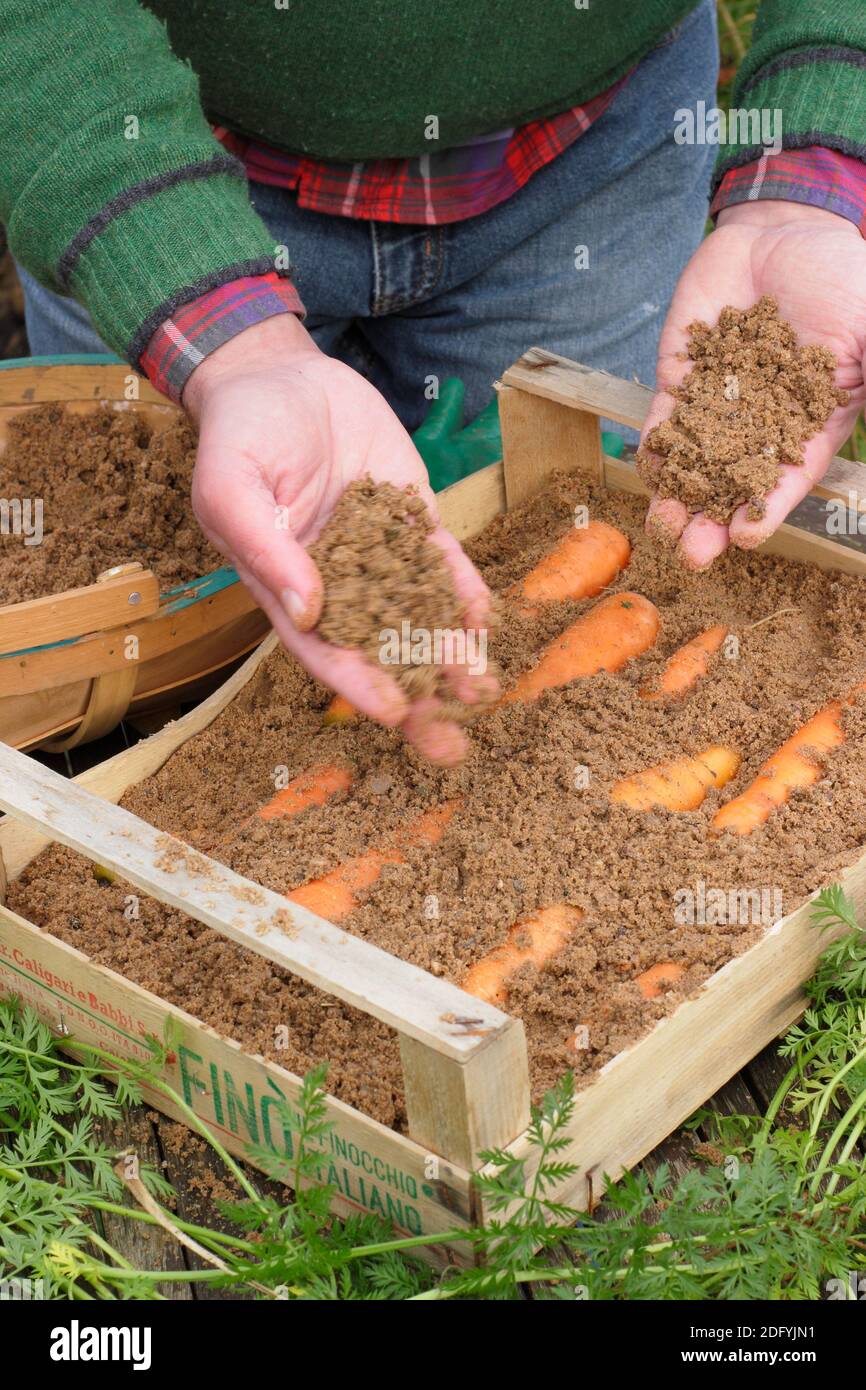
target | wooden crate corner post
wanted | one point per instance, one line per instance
(541, 435)
(461, 1108)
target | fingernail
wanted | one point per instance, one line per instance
(294, 606)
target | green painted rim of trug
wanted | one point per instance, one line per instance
(66, 359)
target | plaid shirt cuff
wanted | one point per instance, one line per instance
(198, 329)
(821, 177)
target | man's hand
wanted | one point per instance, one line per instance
(283, 426)
(814, 264)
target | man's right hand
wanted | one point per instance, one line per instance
(281, 425)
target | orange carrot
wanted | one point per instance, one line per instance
(652, 981)
(339, 711)
(532, 941)
(680, 785)
(312, 788)
(618, 628)
(797, 763)
(584, 562)
(337, 893)
(687, 665)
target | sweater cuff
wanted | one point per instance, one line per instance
(805, 97)
(818, 177)
(161, 247)
(197, 329)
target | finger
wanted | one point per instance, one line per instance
(439, 740)
(471, 589)
(472, 687)
(370, 689)
(788, 492)
(795, 483)
(666, 519)
(247, 524)
(702, 542)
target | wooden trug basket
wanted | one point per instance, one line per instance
(464, 1062)
(68, 673)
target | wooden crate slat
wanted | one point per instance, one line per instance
(555, 378)
(788, 541)
(541, 436)
(401, 995)
(34, 384)
(19, 843)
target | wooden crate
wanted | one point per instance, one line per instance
(66, 675)
(464, 1062)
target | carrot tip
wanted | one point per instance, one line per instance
(339, 711)
(653, 982)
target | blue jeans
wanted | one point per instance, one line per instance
(406, 303)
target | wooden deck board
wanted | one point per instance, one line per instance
(145, 1246)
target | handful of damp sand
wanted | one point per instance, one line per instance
(380, 571)
(750, 402)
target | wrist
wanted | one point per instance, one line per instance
(779, 212)
(274, 341)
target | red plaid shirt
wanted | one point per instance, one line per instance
(432, 189)
(391, 190)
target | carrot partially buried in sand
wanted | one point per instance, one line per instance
(584, 562)
(311, 788)
(681, 785)
(536, 940)
(798, 763)
(339, 711)
(337, 893)
(614, 631)
(654, 981)
(533, 941)
(315, 787)
(687, 665)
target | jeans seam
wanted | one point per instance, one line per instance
(377, 272)
(388, 304)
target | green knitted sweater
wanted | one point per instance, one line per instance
(114, 190)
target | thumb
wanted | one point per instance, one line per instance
(242, 517)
